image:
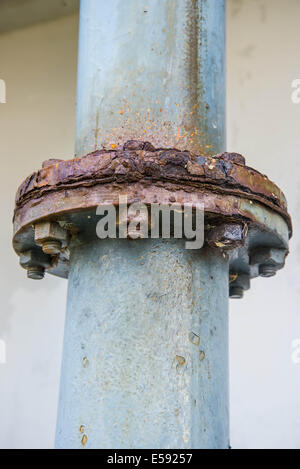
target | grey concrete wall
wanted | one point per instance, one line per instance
(37, 122)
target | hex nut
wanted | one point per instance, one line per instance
(240, 284)
(50, 236)
(227, 235)
(269, 260)
(232, 158)
(34, 257)
(35, 262)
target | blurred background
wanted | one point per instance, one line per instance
(38, 58)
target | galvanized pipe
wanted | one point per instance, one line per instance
(151, 70)
(145, 361)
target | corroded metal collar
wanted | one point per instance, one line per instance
(244, 210)
(146, 173)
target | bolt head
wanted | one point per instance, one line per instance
(34, 258)
(49, 231)
(36, 273)
(267, 270)
(236, 292)
(227, 235)
(267, 255)
(51, 247)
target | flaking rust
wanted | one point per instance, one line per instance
(169, 168)
(237, 200)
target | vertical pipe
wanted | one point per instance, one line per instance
(152, 71)
(145, 361)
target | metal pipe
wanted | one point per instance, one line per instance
(151, 70)
(145, 361)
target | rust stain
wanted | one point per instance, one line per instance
(84, 440)
(194, 338)
(180, 360)
(141, 170)
(195, 55)
(85, 362)
(232, 277)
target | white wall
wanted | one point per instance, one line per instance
(263, 124)
(37, 122)
(38, 65)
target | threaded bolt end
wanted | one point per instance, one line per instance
(236, 292)
(36, 272)
(51, 246)
(267, 270)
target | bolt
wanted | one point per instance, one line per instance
(267, 270)
(238, 283)
(236, 292)
(51, 246)
(36, 272)
(268, 260)
(227, 235)
(35, 262)
(236, 158)
(50, 236)
(50, 162)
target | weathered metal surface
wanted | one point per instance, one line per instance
(153, 71)
(227, 235)
(145, 361)
(231, 193)
(50, 236)
(238, 283)
(269, 260)
(139, 162)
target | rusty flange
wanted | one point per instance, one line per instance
(67, 193)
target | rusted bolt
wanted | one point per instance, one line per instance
(236, 158)
(50, 236)
(35, 262)
(268, 260)
(238, 283)
(36, 272)
(51, 246)
(50, 162)
(236, 292)
(267, 270)
(227, 235)
(138, 145)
